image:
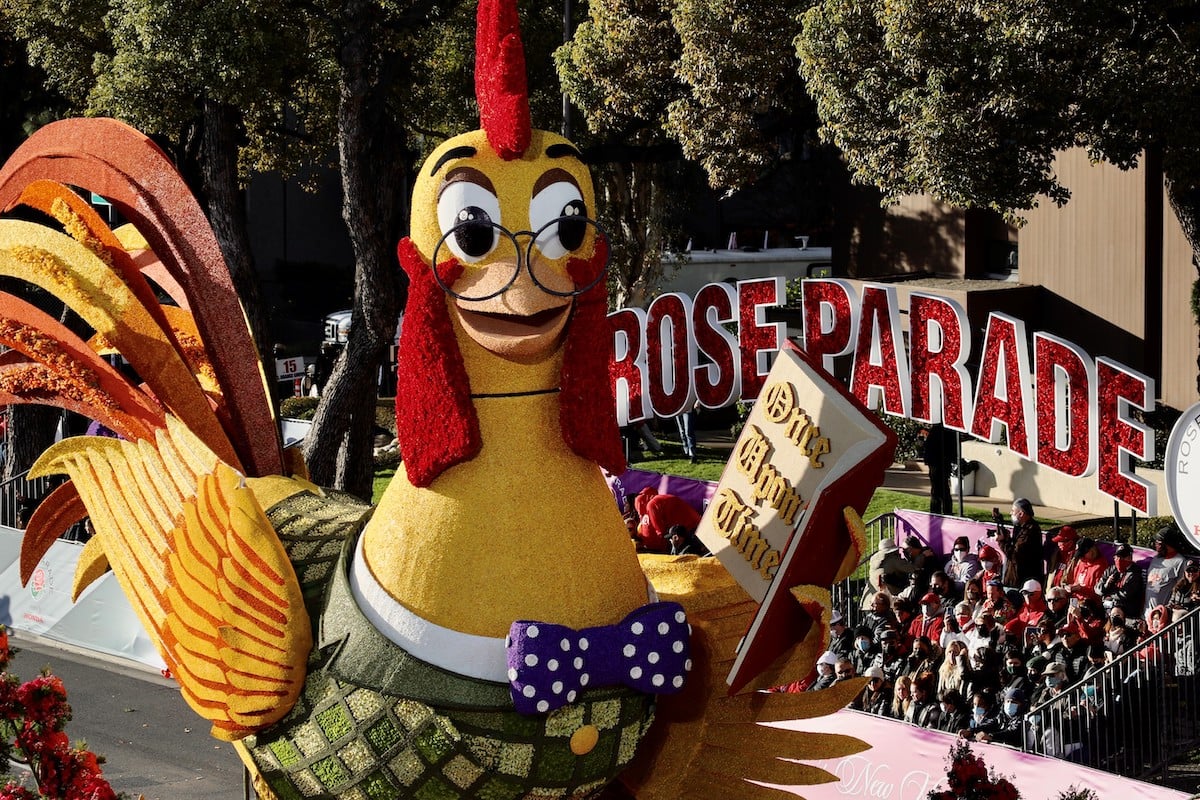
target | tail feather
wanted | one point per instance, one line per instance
(132, 173)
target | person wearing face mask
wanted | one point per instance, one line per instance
(963, 564)
(1033, 607)
(1089, 565)
(1071, 650)
(984, 633)
(826, 671)
(866, 653)
(983, 670)
(959, 622)
(924, 562)
(880, 617)
(1165, 568)
(930, 622)
(891, 658)
(1054, 680)
(1062, 558)
(874, 697)
(1006, 727)
(925, 657)
(1023, 544)
(991, 565)
(983, 713)
(1118, 636)
(1123, 585)
(953, 717)
(1014, 671)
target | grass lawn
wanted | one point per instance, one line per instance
(710, 463)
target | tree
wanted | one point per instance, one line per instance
(618, 69)
(232, 88)
(970, 102)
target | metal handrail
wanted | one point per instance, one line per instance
(1139, 714)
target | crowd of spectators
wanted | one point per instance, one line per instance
(971, 643)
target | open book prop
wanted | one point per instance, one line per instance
(778, 521)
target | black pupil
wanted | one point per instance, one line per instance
(571, 227)
(474, 234)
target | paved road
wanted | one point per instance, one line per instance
(154, 744)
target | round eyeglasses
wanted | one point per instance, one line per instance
(470, 241)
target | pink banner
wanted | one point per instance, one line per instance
(906, 762)
(631, 481)
(940, 532)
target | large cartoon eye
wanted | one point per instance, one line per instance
(468, 209)
(560, 201)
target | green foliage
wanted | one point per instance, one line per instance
(908, 442)
(298, 407)
(970, 102)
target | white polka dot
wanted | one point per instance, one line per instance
(578, 662)
(512, 674)
(658, 680)
(583, 644)
(543, 706)
(677, 646)
(652, 658)
(529, 691)
(552, 665)
(532, 631)
(565, 644)
(687, 665)
(637, 628)
(531, 660)
(635, 673)
(584, 678)
(680, 616)
(507, 641)
(571, 696)
(689, 630)
(557, 687)
(677, 681)
(629, 651)
(663, 628)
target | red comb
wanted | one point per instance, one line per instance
(500, 85)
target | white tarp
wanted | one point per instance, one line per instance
(102, 620)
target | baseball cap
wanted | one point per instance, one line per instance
(1054, 668)
(836, 618)
(828, 657)
(1015, 693)
(930, 597)
(874, 672)
(1031, 586)
(1065, 534)
(1124, 550)
(996, 582)
(887, 546)
(888, 634)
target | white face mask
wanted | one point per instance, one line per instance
(959, 555)
(989, 565)
(1015, 520)
(1011, 709)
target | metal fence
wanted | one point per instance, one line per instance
(20, 495)
(847, 595)
(1134, 716)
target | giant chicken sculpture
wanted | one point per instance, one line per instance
(488, 630)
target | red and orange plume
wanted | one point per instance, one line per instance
(500, 83)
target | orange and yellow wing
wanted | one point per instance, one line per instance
(202, 568)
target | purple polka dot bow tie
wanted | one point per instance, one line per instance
(548, 665)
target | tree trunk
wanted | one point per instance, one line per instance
(1185, 202)
(226, 209)
(369, 143)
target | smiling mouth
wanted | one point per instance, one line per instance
(515, 334)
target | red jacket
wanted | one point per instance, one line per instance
(658, 513)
